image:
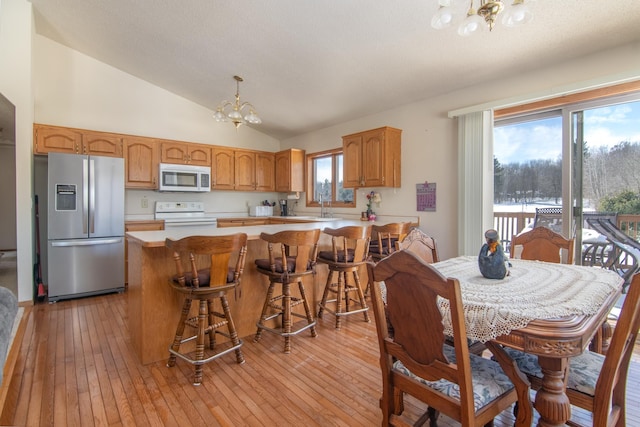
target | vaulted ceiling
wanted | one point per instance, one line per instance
(310, 64)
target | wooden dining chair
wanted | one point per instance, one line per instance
(414, 358)
(425, 248)
(421, 244)
(596, 382)
(542, 244)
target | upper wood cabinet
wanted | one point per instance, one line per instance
(372, 158)
(223, 175)
(245, 170)
(102, 144)
(289, 170)
(48, 139)
(255, 170)
(185, 153)
(265, 171)
(140, 162)
(58, 139)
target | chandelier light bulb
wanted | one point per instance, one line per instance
(442, 18)
(471, 25)
(517, 15)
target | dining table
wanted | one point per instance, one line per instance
(547, 309)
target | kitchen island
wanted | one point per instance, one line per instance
(154, 307)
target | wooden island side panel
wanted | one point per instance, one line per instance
(154, 307)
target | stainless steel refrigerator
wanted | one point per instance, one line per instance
(85, 222)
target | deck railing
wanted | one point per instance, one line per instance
(509, 223)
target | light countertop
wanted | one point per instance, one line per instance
(157, 238)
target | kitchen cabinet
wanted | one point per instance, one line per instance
(185, 153)
(265, 171)
(245, 170)
(222, 169)
(372, 158)
(102, 144)
(289, 165)
(254, 170)
(147, 225)
(56, 139)
(140, 163)
(241, 222)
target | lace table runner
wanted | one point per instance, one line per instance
(533, 290)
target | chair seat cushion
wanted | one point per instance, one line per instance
(204, 278)
(291, 264)
(489, 381)
(583, 369)
(328, 256)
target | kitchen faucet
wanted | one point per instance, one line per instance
(321, 205)
(323, 210)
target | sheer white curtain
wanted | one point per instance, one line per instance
(475, 180)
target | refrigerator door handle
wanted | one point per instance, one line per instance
(85, 242)
(92, 196)
(85, 196)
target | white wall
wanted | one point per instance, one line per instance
(72, 89)
(429, 138)
(16, 33)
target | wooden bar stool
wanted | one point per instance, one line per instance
(205, 272)
(384, 238)
(384, 241)
(350, 246)
(292, 256)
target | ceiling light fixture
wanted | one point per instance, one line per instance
(483, 17)
(235, 112)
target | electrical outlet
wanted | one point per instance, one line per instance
(144, 202)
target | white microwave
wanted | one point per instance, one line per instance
(184, 178)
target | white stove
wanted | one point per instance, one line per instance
(184, 214)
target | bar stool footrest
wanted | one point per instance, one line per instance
(188, 359)
(279, 331)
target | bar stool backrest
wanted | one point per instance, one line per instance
(350, 245)
(299, 248)
(384, 238)
(205, 260)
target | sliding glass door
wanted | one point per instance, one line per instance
(605, 136)
(579, 158)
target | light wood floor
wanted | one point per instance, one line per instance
(76, 367)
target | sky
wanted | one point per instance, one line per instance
(542, 139)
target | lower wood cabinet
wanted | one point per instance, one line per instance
(241, 222)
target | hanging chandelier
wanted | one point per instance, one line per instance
(483, 17)
(233, 111)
